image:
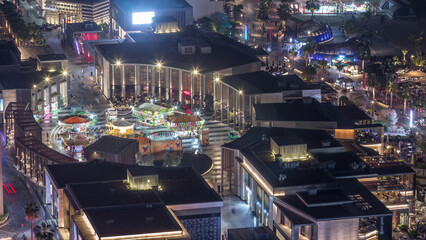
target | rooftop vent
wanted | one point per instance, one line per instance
(282, 177)
(278, 158)
(312, 191)
(325, 143)
(88, 26)
(149, 219)
(265, 137)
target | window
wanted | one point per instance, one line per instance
(360, 201)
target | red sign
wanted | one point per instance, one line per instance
(186, 92)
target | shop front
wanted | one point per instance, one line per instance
(186, 126)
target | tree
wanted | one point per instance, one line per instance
(322, 65)
(312, 5)
(205, 23)
(309, 48)
(351, 28)
(293, 53)
(391, 89)
(405, 94)
(363, 54)
(367, 16)
(309, 72)
(404, 54)
(263, 14)
(32, 212)
(382, 21)
(373, 83)
(105, 27)
(45, 232)
(419, 61)
(284, 11)
(416, 41)
(339, 66)
(220, 23)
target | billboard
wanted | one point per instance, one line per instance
(142, 18)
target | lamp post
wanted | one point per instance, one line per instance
(65, 74)
(194, 73)
(159, 65)
(216, 81)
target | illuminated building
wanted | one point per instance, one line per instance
(101, 200)
(181, 68)
(152, 114)
(235, 94)
(301, 183)
(345, 122)
(77, 33)
(62, 12)
(343, 51)
(130, 16)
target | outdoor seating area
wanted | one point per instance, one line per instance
(391, 198)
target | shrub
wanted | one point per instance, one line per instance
(403, 227)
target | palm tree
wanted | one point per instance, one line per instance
(284, 11)
(351, 29)
(293, 53)
(32, 212)
(322, 65)
(373, 83)
(310, 49)
(404, 53)
(45, 232)
(416, 41)
(363, 54)
(391, 89)
(406, 94)
(340, 66)
(312, 5)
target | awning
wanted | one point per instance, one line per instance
(40, 101)
(55, 94)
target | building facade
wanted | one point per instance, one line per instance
(64, 11)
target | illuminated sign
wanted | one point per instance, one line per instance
(186, 92)
(142, 17)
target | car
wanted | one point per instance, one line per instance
(233, 134)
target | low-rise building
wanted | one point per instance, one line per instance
(303, 183)
(102, 200)
(113, 149)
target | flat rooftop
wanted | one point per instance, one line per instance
(225, 53)
(259, 154)
(262, 82)
(51, 57)
(111, 144)
(147, 5)
(131, 220)
(356, 201)
(83, 27)
(90, 180)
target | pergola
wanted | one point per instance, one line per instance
(31, 154)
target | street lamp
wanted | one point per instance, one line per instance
(240, 92)
(47, 79)
(65, 73)
(159, 65)
(217, 79)
(34, 86)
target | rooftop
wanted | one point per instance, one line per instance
(23, 80)
(90, 180)
(251, 233)
(131, 220)
(225, 53)
(110, 144)
(353, 113)
(146, 5)
(344, 164)
(51, 57)
(263, 82)
(83, 27)
(355, 201)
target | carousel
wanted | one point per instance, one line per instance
(77, 123)
(120, 127)
(152, 114)
(186, 125)
(74, 143)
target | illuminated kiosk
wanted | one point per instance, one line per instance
(186, 125)
(77, 123)
(111, 114)
(120, 127)
(152, 114)
(75, 143)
